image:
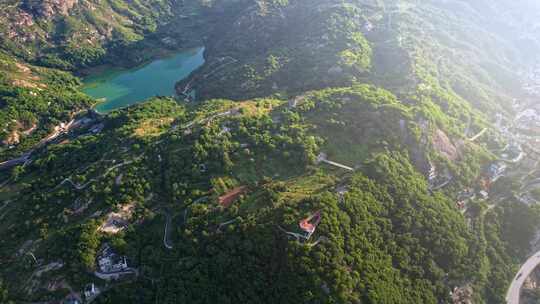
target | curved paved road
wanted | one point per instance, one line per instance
(167, 232)
(512, 296)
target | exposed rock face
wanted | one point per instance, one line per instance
(23, 19)
(462, 295)
(49, 8)
(20, 130)
(19, 21)
(62, 7)
(444, 146)
(13, 138)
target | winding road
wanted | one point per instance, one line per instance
(16, 161)
(83, 186)
(59, 130)
(167, 232)
(512, 296)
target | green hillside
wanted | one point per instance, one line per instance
(320, 155)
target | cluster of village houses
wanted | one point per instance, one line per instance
(528, 117)
(532, 82)
(523, 134)
(512, 153)
(494, 171)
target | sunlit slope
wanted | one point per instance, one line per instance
(163, 158)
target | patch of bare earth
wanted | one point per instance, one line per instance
(117, 221)
(153, 127)
(13, 138)
(444, 146)
(24, 78)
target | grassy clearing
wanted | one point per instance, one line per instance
(153, 127)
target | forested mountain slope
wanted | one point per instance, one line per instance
(411, 47)
(324, 158)
(385, 238)
(68, 33)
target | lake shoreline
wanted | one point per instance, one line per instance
(155, 54)
(122, 87)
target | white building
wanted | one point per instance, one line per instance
(109, 261)
(90, 291)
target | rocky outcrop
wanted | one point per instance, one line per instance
(18, 24)
(62, 7)
(13, 138)
(462, 295)
(23, 19)
(444, 146)
(49, 8)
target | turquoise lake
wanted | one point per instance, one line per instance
(119, 88)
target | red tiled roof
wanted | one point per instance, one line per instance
(309, 224)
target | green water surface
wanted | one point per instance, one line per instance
(119, 88)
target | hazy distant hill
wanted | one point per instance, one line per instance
(329, 155)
